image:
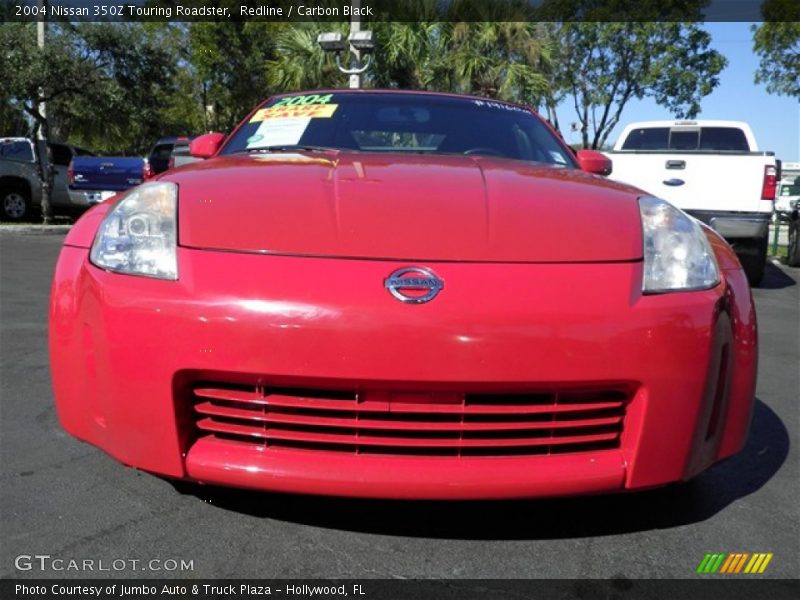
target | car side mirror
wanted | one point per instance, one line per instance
(207, 145)
(595, 162)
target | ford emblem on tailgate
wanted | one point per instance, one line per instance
(413, 285)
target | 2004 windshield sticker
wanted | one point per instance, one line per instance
(313, 106)
(285, 122)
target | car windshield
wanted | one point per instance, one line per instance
(392, 122)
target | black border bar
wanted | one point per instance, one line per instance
(405, 10)
(701, 588)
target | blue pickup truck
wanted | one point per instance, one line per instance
(102, 177)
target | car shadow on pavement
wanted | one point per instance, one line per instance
(775, 279)
(711, 492)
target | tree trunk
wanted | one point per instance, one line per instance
(552, 116)
(45, 172)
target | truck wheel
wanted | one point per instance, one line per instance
(754, 259)
(15, 204)
(793, 257)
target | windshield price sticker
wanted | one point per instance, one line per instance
(310, 111)
(304, 100)
(278, 132)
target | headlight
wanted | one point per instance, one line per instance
(677, 255)
(138, 236)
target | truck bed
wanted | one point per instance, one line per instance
(106, 173)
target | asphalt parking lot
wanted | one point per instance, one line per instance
(63, 498)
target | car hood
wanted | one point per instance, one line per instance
(405, 207)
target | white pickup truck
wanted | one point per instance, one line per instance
(712, 170)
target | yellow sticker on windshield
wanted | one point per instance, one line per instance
(310, 111)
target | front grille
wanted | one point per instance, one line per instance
(413, 423)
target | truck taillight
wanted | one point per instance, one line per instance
(171, 164)
(147, 170)
(70, 174)
(770, 183)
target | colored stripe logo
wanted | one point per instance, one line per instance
(731, 564)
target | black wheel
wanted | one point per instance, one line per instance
(793, 257)
(15, 203)
(753, 256)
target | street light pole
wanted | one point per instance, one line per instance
(40, 29)
(355, 26)
(359, 43)
(43, 131)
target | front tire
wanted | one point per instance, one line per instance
(793, 256)
(754, 259)
(15, 204)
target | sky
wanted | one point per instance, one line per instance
(775, 120)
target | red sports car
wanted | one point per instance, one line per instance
(401, 295)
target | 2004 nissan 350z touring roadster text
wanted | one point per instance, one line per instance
(401, 295)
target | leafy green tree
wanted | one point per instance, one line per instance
(403, 60)
(507, 60)
(136, 66)
(602, 66)
(12, 117)
(231, 61)
(406, 54)
(299, 63)
(498, 59)
(110, 87)
(777, 43)
(106, 85)
(32, 76)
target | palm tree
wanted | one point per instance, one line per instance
(300, 64)
(506, 60)
(406, 55)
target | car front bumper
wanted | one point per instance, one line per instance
(129, 355)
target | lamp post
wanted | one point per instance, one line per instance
(358, 42)
(43, 131)
(40, 32)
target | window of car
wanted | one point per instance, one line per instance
(647, 138)
(161, 151)
(61, 154)
(401, 123)
(723, 139)
(20, 150)
(684, 139)
(181, 149)
(718, 139)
